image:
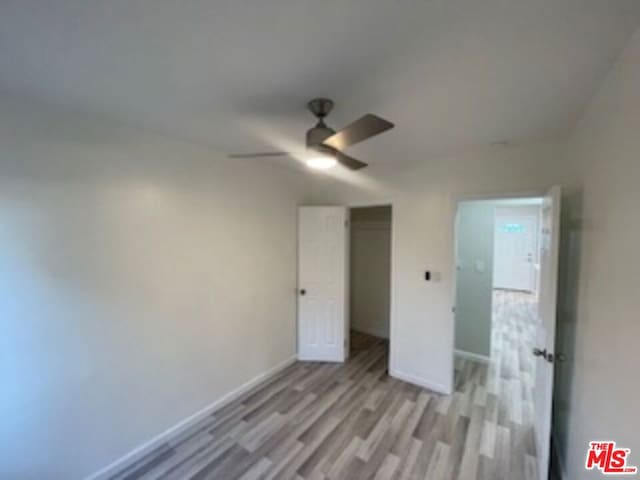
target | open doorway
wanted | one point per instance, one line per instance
(498, 255)
(370, 277)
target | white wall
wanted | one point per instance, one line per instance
(140, 280)
(474, 277)
(597, 387)
(370, 270)
(423, 196)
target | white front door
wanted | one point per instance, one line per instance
(515, 250)
(322, 285)
(546, 329)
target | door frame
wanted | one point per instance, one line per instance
(392, 296)
(456, 200)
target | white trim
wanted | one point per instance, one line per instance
(323, 359)
(393, 316)
(476, 357)
(421, 382)
(140, 451)
(469, 197)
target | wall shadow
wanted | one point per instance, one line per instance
(567, 313)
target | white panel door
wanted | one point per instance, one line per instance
(546, 329)
(515, 251)
(322, 286)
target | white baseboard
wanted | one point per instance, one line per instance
(421, 382)
(183, 425)
(472, 356)
(302, 358)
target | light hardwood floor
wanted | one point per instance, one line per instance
(353, 421)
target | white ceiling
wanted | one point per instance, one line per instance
(236, 74)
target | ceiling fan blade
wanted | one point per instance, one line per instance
(360, 130)
(260, 154)
(349, 162)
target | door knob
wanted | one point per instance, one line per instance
(303, 291)
(544, 354)
(540, 353)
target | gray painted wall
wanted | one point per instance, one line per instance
(474, 280)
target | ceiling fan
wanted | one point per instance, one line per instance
(327, 144)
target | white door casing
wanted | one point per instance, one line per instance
(322, 283)
(546, 328)
(516, 242)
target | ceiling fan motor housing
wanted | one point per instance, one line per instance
(317, 134)
(320, 107)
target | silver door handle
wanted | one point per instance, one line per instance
(544, 354)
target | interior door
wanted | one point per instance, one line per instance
(322, 285)
(545, 335)
(515, 251)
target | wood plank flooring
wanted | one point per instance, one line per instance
(352, 421)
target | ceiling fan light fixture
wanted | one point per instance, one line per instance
(326, 145)
(321, 162)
